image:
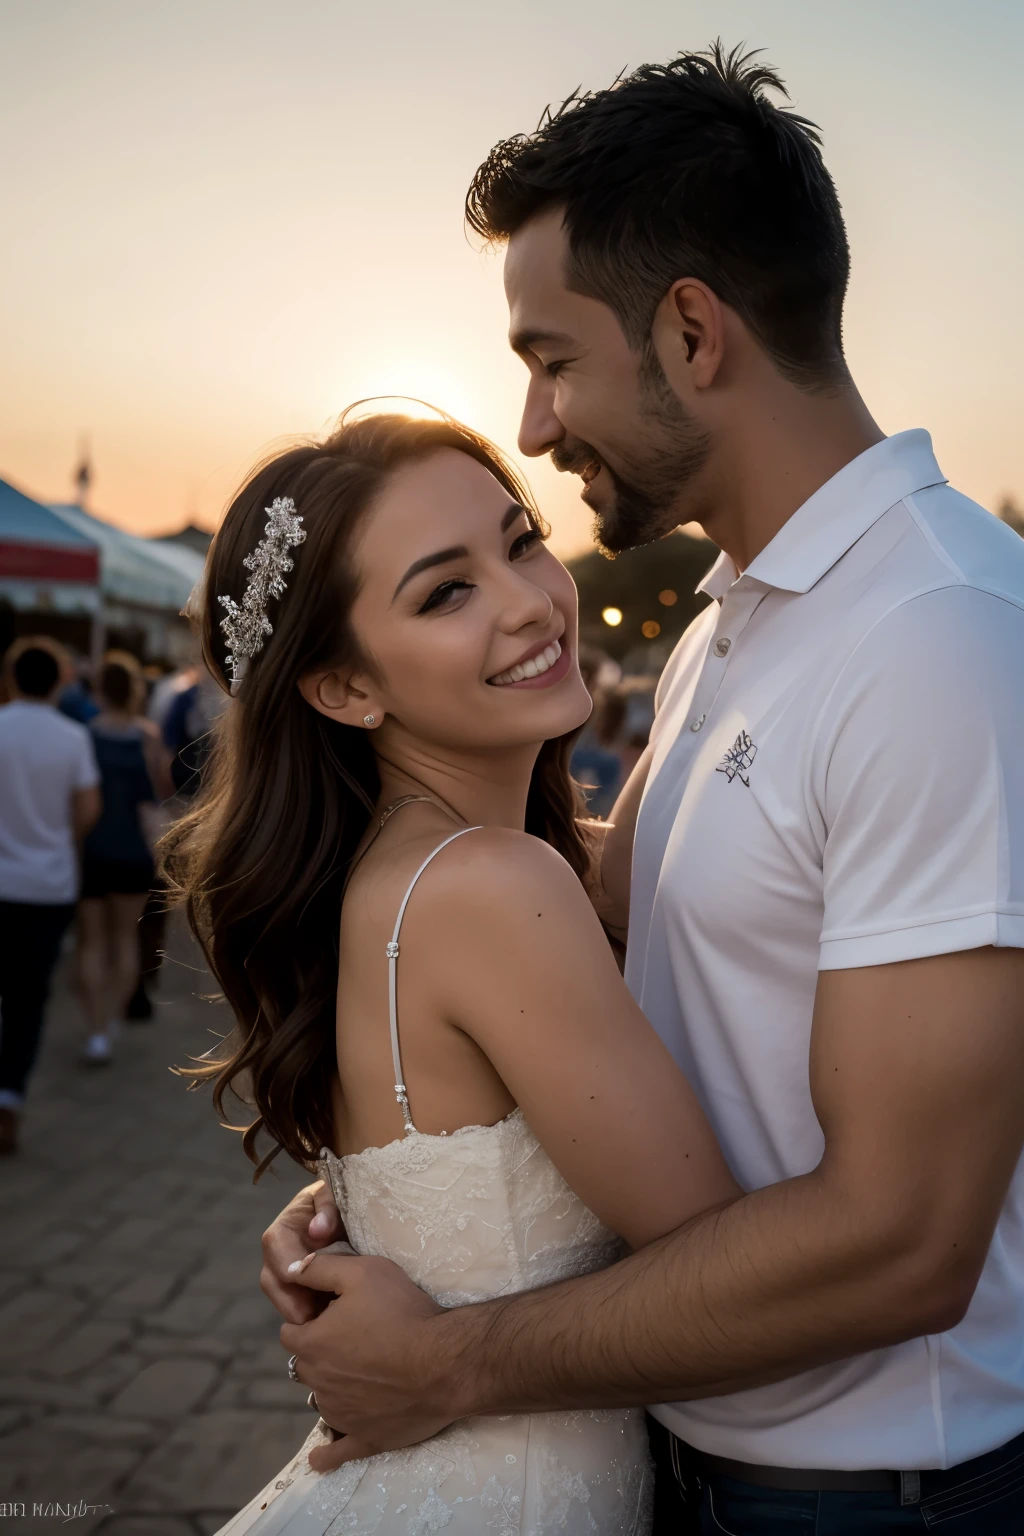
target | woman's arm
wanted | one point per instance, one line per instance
(523, 967)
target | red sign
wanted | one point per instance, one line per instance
(49, 562)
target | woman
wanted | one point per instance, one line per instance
(117, 865)
(386, 876)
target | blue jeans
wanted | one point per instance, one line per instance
(985, 1497)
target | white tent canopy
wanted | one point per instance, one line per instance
(44, 563)
(137, 571)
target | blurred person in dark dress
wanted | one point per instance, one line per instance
(153, 922)
(117, 872)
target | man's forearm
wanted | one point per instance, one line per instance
(773, 1284)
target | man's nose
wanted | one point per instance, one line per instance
(540, 429)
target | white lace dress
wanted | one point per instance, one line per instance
(477, 1214)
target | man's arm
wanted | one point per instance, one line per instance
(917, 1075)
(610, 893)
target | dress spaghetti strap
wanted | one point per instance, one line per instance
(401, 1093)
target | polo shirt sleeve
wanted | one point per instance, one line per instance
(86, 769)
(919, 780)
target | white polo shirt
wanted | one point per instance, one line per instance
(838, 781)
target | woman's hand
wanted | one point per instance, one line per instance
(308, 1222)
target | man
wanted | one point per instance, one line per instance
(826, 923)
(50, 799)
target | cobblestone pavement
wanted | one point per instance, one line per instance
(139, 1364)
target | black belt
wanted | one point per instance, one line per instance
(692, 1467)
(799, 1479)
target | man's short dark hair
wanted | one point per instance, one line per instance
(687, 169)
(36, 671)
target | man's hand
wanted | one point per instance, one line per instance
(308, 1222)
(368, 1358)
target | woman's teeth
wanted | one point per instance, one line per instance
(532, 668)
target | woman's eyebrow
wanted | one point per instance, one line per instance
(455, 552)
(441, 557)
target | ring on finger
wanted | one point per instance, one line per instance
(293, 1374)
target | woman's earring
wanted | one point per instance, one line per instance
(369, 719)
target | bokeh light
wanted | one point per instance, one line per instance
(650, 629)
(612, 616)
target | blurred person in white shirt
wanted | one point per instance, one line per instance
(51, 799)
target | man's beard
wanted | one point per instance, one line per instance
(671, 449)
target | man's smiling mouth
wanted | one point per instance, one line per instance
(590, 472)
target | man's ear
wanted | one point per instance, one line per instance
(689, 335)
(342, 695)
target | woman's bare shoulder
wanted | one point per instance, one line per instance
(483, 888)
(498, 872)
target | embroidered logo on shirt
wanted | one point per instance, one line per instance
(736, 762)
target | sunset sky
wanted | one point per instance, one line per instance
(225, 219)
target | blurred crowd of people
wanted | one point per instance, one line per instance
(92, 768)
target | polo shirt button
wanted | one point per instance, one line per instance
(722, 647)
(695, 725)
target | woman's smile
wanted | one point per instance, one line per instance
(540, 668)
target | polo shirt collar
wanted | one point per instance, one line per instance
(832, 520)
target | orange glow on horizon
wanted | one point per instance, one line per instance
(221, 240)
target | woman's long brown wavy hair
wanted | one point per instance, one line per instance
(260, 862)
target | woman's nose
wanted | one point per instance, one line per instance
(540, 429)
(524, 603)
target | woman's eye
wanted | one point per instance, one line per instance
(524, 542)
(442, 594)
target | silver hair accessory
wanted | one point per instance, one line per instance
(247, 626)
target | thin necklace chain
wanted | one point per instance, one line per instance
(396, 805)
(389, 810)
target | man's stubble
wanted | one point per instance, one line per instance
(650, 483)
